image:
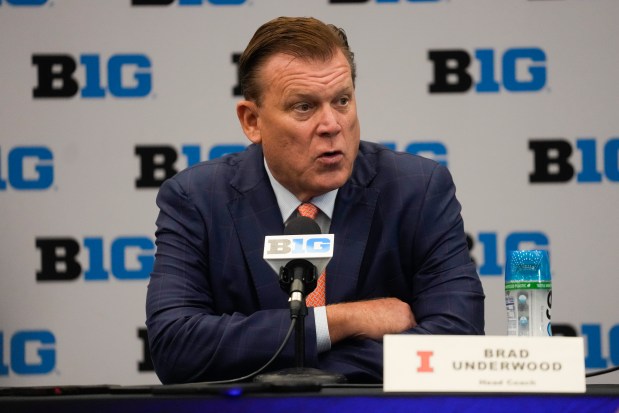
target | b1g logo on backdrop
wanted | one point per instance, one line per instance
(160, 162)
(380, 1)
(130, 258)
(434, 150)
(187, 2)
(125, 76)
(146, 364)
(28, 168)
(29, 352)
(514, 70)
(486, 247)
(553, 162)
(595, 344)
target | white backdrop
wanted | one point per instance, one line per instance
(79, 174)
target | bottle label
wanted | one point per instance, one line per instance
(528, 285)
(512, 316)
(528, 308)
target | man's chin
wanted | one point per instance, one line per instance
(328, 185)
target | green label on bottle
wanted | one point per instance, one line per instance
(527, 285)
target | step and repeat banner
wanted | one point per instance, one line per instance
(101, 101)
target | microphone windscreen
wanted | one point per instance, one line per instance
(301, 226)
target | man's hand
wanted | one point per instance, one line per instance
(369, 319)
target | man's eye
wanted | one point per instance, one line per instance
(344, 101)
(302, 107)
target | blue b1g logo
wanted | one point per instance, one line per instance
(486, 245)
(596, 343)
(382, 1)
(186, 2)
(452, 73)
(553, 161)
(21, 346)
(130, 258)
(55, 76)
(434, 150)
(301, 246)
(28, 168)
(160, 162)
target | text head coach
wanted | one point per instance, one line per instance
(400, 264)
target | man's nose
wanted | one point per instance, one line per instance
(329, 124)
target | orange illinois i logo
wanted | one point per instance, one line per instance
(424, 362)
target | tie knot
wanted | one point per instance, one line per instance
(308, 210)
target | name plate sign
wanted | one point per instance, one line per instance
(420, 363)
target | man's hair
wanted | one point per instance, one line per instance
(301, 37)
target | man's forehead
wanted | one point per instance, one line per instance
(298, 68)
(283, 61)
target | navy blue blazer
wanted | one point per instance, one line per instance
(215, 309)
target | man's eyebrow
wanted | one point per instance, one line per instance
(346, 90)
(299, 94)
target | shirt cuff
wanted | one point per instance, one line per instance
(323, 341)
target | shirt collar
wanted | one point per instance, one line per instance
(288, 203)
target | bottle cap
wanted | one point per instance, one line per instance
(531, 265)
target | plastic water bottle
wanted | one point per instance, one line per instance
(528, 293)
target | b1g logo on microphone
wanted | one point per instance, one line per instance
(131, 258)
(186, 2)
(29, 352)
(552, 163)
(126, 76)
(280, 249)
(160, 162)
(520, 70)
(298, 246)
(28, 168)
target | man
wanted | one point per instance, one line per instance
(215, 309)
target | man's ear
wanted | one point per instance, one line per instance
(247, 112)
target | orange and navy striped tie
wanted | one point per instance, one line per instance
(317, 297)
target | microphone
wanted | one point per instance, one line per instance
(302, 225)
(299, 257)
(299, 275)
(302, 240)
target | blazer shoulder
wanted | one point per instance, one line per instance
(219, 172)
(395, 163)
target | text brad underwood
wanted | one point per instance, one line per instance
(507, 360)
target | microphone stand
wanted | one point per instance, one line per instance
(298, 278)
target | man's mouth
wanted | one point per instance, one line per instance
(331, 157)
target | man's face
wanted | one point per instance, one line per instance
(307, 123)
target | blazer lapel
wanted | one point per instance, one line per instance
(352, 219)
(256, 214)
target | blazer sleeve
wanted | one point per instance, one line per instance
(190, 338)
(448, 297)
